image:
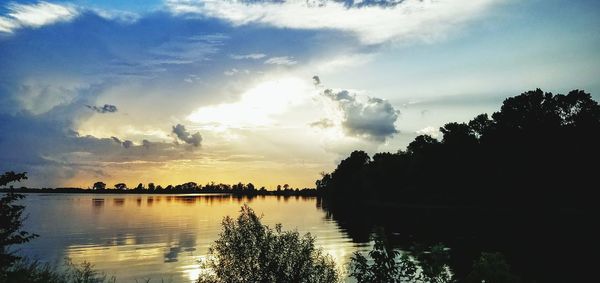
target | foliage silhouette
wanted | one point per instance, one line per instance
(387, 265)
(249, 189)
(248, 251)
(539, 150)
(11, 222)
(491, 267)
(34, 272)
(99, 186)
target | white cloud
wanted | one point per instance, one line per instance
(253, 56)
(116, 15)
(410, 19)
(40, 95)
(284, 60)
(35, 15)
(430, 131)
(231, 72)
(7, 25)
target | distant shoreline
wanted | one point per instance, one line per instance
(289, 192)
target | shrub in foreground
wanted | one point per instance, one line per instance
(386, 265)
(25, 271)
(248, 251)
(491, 267)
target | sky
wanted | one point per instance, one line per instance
(265, 91)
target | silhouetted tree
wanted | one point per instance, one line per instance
(99, 186)
(11, 221)
(120, 186)
(347, 179)
(536, 150)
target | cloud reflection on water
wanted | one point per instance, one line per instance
(161, 236)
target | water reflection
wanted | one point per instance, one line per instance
(119, 201)
(98, 202)
(162, 237)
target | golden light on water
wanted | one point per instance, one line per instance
(167, 237)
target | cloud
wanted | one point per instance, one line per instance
(231, 72)
(185, 136)
(367, 3)
(42, 94)
(323, 123)
(45, 146)
(253, 56)
(35, 15)
(334, 63)
(316, 80)
(119, 16)
(235, 71)
(146, 143)
(284, 60)
(366, 117)
(186, 50)
(125, 143)
(373, 22)
(107, 108)
(258, 106)
(430, 131)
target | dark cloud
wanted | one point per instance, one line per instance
(107, 108)
(338, 96)
(146, 143)
(185, 136)
(125, 143)
(316, 80)
(371, 118)
(323, 123)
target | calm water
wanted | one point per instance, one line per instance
(160, 237)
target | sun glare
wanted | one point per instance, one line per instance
(256, 106)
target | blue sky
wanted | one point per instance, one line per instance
(224, 90)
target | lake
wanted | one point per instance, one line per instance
(166, 236)
(161, 236)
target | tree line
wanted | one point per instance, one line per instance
(538, 149)
(185, 188)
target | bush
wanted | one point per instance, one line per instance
(248, 251)
(386, 265)
(34, 272)
(491, 267)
